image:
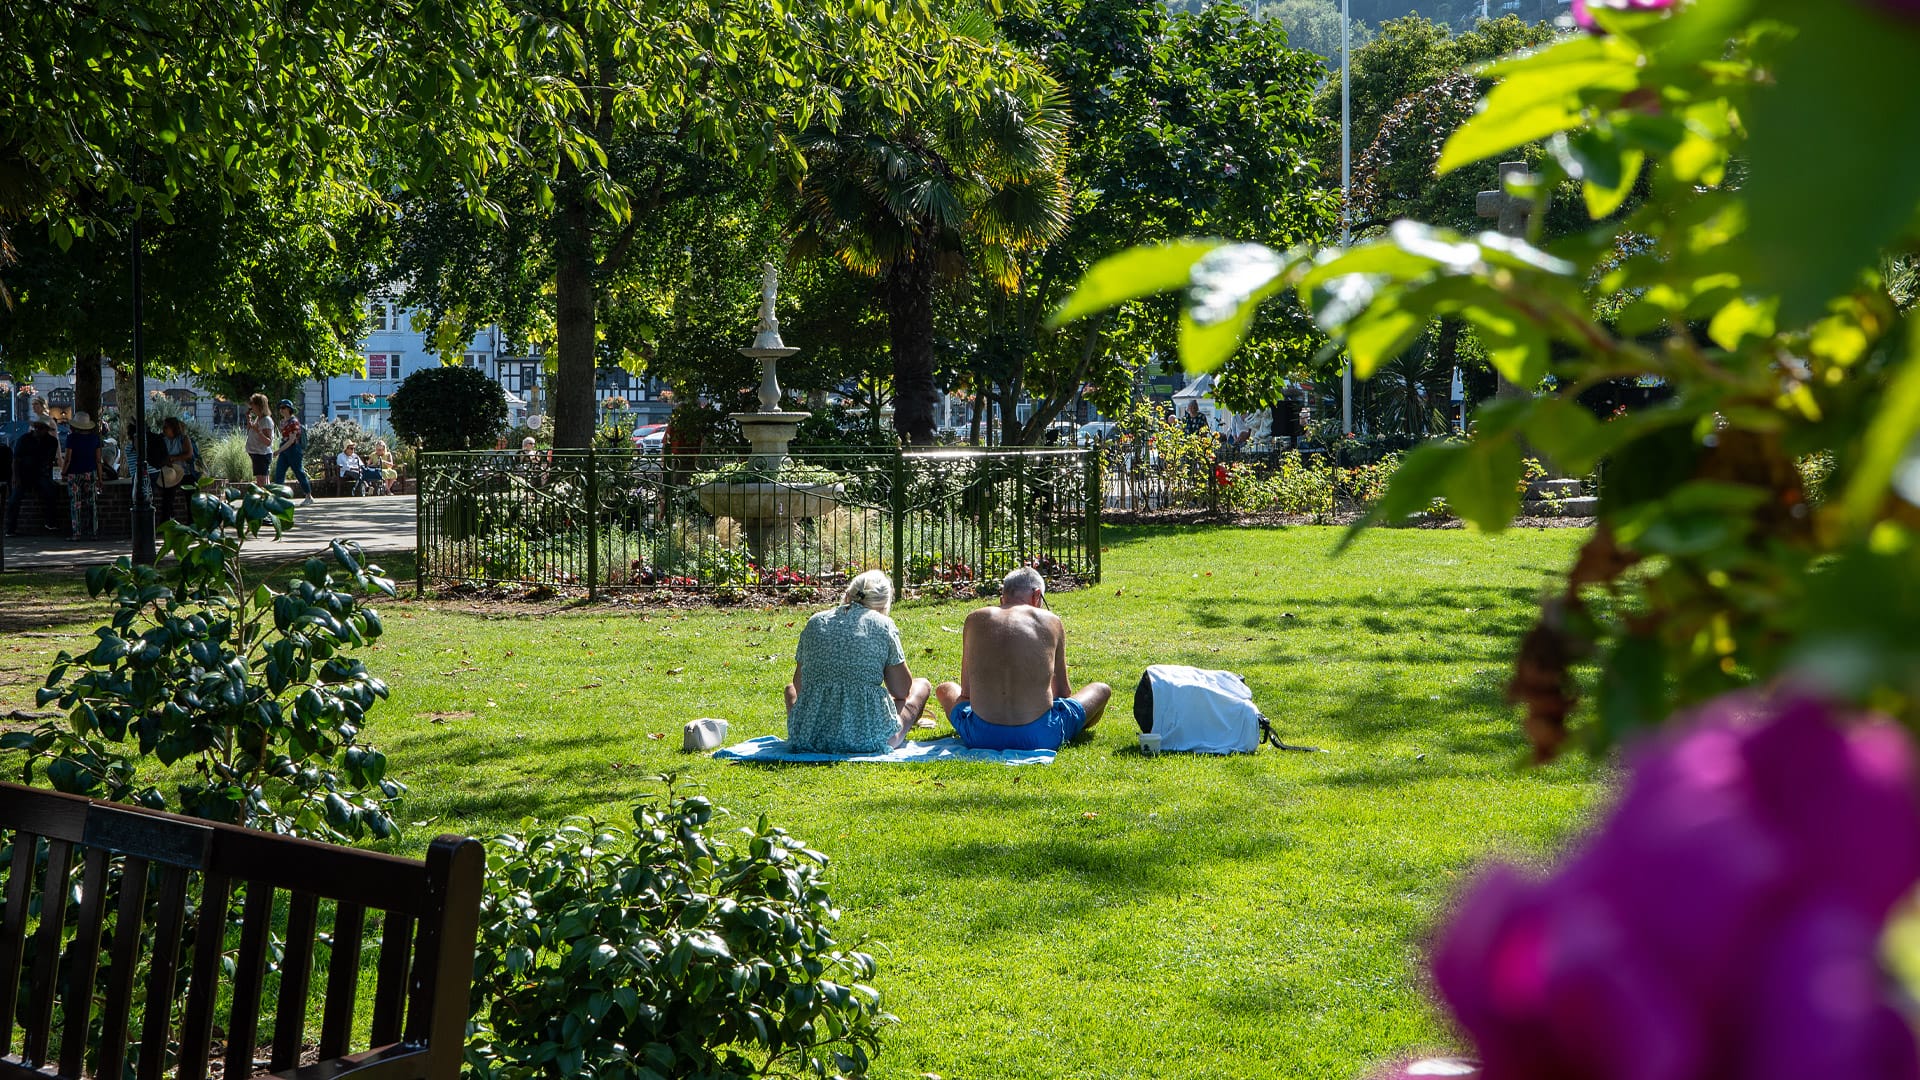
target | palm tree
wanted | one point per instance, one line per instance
(910, 201)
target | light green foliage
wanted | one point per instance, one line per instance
(679, 947)
(1105, 917)
(225, 458)
(249, 690)
(1706, 521)
(326, 439)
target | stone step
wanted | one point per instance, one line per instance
(1553, 489)
(1576, 506)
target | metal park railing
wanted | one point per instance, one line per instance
(946, 521)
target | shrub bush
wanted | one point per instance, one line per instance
(664, 952)
(449, 408)
(250, 687)
(325, 440)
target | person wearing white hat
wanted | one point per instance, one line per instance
(80, 467)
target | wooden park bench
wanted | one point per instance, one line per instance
(80, 1016)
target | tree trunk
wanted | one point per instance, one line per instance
(86, 384)
(909, 297)
(572, 398)
(123, 402)
(973, 426)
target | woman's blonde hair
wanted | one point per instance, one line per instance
(258, 401)
(872, 589)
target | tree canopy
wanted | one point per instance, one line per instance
(1183, 123)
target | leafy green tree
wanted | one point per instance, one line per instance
(1783, 343)
(1314, 25)
(249, 289)
(449, 408)
(1184, 124)
(1408, 57)
(107, 110)
(948, 189)
(664, 103)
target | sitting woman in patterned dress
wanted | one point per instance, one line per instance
(851, 691)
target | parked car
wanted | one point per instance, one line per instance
(1098, 431)
(650, 438)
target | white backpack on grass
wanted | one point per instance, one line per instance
(1200, 711)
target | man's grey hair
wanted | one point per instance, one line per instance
(872, 589)
(1022, 582)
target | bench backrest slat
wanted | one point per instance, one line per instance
(343, 979)
(249, 974)
(13, 931)
(115, 1009)
(107, 905)
(86, 958)
(390, 985)
(203, 984)
(290, 1006)
(46, 953)
(168, 931)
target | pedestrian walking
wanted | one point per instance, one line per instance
(259, 437)
(293, 446)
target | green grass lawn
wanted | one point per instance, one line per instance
(1107, 916)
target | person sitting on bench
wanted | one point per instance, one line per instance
(352, 469)
(1013, 692)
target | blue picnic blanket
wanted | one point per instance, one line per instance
(774, 748)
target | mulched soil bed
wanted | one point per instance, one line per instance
(1344, 517)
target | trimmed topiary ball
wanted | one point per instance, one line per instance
(449, 408)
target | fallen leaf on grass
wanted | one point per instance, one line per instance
(675, 670)
(589, 686)
(656, 734)
(492, 704)
(1088, 816)
(949, 629)
(443, 717)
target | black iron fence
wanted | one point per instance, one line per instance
(1142, 477)
(937, 521)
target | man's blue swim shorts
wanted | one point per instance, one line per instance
(1059, 725)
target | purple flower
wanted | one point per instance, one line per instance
(1722, 922)
(1585, 18)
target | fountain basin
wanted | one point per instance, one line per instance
(755, 502)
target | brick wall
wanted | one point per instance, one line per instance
(116, 510)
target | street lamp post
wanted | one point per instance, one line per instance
(142, 507)
(1346, 186)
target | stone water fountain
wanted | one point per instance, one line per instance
(766, 508)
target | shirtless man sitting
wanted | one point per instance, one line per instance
(1013, 668)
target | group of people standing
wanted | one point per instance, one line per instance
(852, 692)
(50, 454)
(53, 453)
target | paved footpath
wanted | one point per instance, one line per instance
(380, 523)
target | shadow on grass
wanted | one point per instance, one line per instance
(38, 601)
(440, 759)
(1081, 854)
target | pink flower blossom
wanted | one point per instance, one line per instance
(1584, 18)
(1722, 922)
